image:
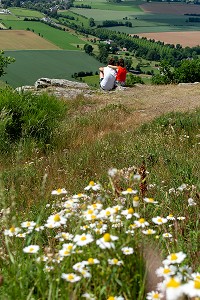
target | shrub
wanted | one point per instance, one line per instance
(28, 116)
(132, 79)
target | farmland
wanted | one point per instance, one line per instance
(23, 39)
(53, 64)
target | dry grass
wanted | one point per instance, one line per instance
(24, 40)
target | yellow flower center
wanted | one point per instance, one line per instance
(159, 220)
(56, 218)
(12, 229)
(111, 298)
(92, 183)
(107, 213)
(156, 296)
(91, 261)
(170, 215)
(79, 195)
(151, 200)
(58, 191)
(166, 271)
(115, 260)
(93, 217)
(66, 252)
(173, 256)
(149, 231)
(197, 277)
(142, 220)
(31, 249)
(107, 237)
(129, 190)
(172, 283)
(70, 276)
(130, 211)
(136, 198)
(28, 224)
(197, 284)
(83, 238)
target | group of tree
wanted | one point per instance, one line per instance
(113, 23)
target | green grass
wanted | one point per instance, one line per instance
(23, 12)
(62, 39)
(78, 18)
(104, 5)
(35, 64)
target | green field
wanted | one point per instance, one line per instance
(32, 65)
(62, 39)
(104, 5)
(23, 12)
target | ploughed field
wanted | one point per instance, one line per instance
(170, 8)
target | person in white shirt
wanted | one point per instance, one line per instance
(107, 76)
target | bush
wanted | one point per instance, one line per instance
(28, 116)
(132, 79)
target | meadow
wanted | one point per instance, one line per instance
(52, 64)
(92, 195)
(104, 5)
(62, 39)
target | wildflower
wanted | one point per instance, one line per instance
(67, 249)
(106, 213)
(115, 261)
(141, 223)
(182, 187)
(136, 201)
(55, 221)
(71, 277)
(149, 231)
(83, 239)
(59, 192)
(31, 249)
(192, 288)
(12, 231)
(48, 268)
(89, 296)
(107, 241)
(21, 235)
(137, 177)
(78, 196)
(166, 271)
(180, 218)
(78, 266)
(191, 202)
(128, 213)
(115, 298)
(64, 236)
(28, 224)
(92, 261)
(174, 258)
(167, 235)
(154, 295)
(173, 288)
(150, 200)
(92, 186)
(159, 220)
(129, 191)
(170, 217)
(127, 250)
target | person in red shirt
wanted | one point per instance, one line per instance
(121, 72)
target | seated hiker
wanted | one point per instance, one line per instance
(121, 72)
(107, 76)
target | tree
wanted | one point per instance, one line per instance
(88, 48)
(4, 62)
(91, 22)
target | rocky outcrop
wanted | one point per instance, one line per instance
(61, 88)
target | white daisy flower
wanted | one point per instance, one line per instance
(78, 266)
(159, 220)
(167, 235)
(92, 261)
(71, 277)
(112, 172)
(107, 213)
(166, 271)
(12, 231)
(174, 258)
(149, 231)
(128, 213)
(115, 261)
(89, 296)
(150, 200)
(83, 239)
(141, 223)
(170, 217)
(154, 296)
(78, 196)
(85, 273)
(31, 249)
(59, 192)
(64, 236)
(180, 218)
(174, 289)
(93, 186)
(115, 298)
(127, 250)
(129, 191)
(106, 242)
(192, 288)
(55, 221)
(136, 201)
(28, 224)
